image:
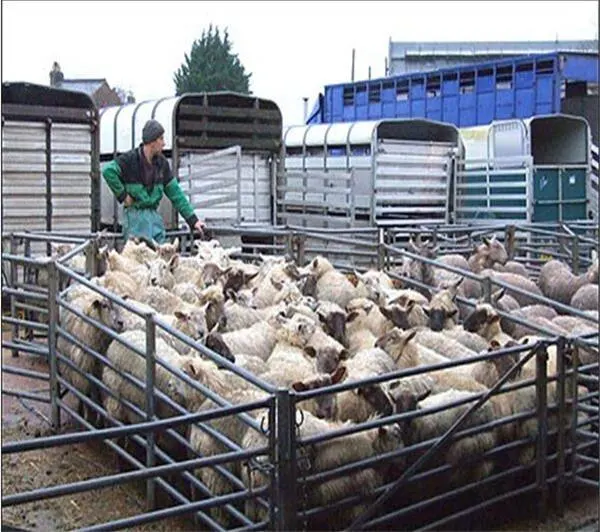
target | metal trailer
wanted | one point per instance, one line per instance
(523, 171)
(367, 174)
(223, 147)
(471, 95)
(50, 160)
(418, 486)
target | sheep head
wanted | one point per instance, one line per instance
(326, 404)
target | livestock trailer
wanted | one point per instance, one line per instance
(364, 174)
(50, 160)
(532, 170)
(223, 147)
(471, 95)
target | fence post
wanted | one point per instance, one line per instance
(575, 255)
(487, 289)
(381, 251)
(286, 476)
(301, 242)
(541, 386)
(289, 245)
(562, 423)
(573, 403)
(13, 298)
(150, 379)
(91, 257)
(510, 241)
(52, 341)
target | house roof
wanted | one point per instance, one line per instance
(88, 86)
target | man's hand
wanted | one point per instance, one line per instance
(128, 201)
(199, 226)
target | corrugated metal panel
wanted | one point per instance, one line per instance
(24, 176)
(217, 201)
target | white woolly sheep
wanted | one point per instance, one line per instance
(325, 456)
(486, 254)
(517, 281)
(332, 285)
(558, 282)
(586, 298)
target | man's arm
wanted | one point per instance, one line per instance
(112, 176)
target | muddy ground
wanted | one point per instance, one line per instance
(23, 419)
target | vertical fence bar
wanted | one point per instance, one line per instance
(238, 154)
(381, 249)
(562, 422)
(575, 251)
(91, 257)
(573, 405)
(541, 386)
(286, 464)
(14, 276)
(510, 241)
(487, 289)
(301, 240)
(52, 340)
(150, 378)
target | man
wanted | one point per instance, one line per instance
(138, 180)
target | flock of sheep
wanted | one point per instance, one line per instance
(307, 327)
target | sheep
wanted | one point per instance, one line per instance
(485, 321)
(272, 281)
(442, 344)
(161, 299)
(512, 267)
(138, 251)
(187, 292)
(516, 281)
(470, 340)
(372, 284)
(233, 428)
(407, 354)
(333, 319)
(459, 453)
(258, 340)
(239, 316)
(442, 311)
(326, 455)
(129, 362)
(557, 282)
(446, 277)
(100, 310)
(406, 317)
(537, 314)
(374, 319)
(119, 283)
(358, 335)
(419, 270)
(586, 298)
(506, 303)
(331, 285)
(571, 323)
(360, 403)
(486, 254)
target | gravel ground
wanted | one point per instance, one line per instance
(60, 465)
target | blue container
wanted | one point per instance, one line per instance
(465, 96)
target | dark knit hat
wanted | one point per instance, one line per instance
(152, 130)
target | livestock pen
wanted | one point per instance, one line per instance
(271, 464)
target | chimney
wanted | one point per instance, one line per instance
(56, 76)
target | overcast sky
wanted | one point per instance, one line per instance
(292, 49)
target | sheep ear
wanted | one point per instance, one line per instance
(278, 285)
(426, 309)
(423, 395)
(352, 316)
(299, 386)
(339, 374)
(410, 305)
(486, 241)
(397, 283)
(387, 312)
(498, 294)
(310, 351)
(176, 243)
(452, 313)
(173, 262)
(494, 344)
(410, 335)
(181, 315)
(344, 354)
(189, 369)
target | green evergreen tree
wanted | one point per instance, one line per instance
(211, 66)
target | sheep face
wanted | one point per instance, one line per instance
(297, 331)
(334, 323)
(377, 398)
(326, 404)
(105, 311)
(394, 342)
(327, 359)
(161, 272)
(399, 314)
(168, 250)
(482, 319)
